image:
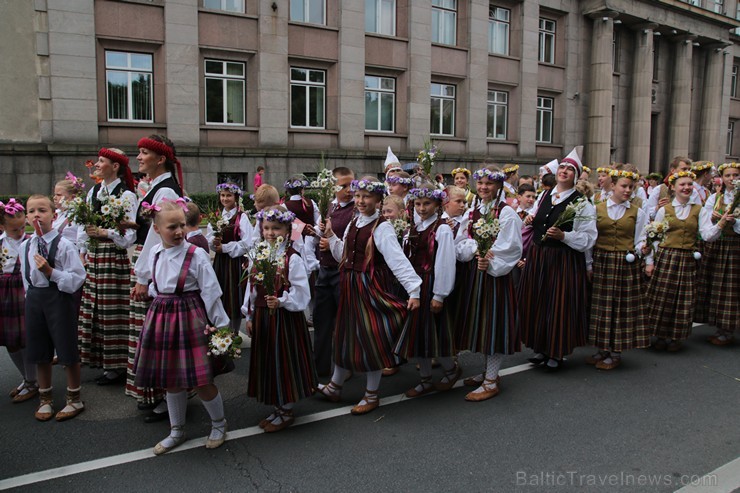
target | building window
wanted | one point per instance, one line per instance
(737, 18)
(498, 113)
(547, 41)
(719, 6)
(695, 3)
(380, 17)
(498, 30)
(224, 92)
(227, 5)
(128, 78)
(544, 120)
(730, 137)
(307, 96)
(444, 21)
(313, 11)
(380, 103)
(442, 109)
(733, 82)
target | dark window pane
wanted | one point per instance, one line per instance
(117, 96)
(298, 106)
(371, 111)
(214, 101)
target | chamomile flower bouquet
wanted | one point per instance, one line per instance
(655, 232)
(735, 207)
(4, 256)
(267, 266)
(223, 348)
(400, 226)
(485, 231)
(325, 187)
(427, 157)
(217, 222)
(113, 211)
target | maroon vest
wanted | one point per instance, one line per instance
(303, 210)
(228, 232)
(421, 248)
(260, 290)
(355, 245)
(340, 218)
(476, 214)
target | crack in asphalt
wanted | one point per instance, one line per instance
(243, 468)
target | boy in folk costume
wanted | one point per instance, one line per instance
(662, 194)
(556, 270)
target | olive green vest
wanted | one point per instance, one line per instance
(619, 235)
(681, 234)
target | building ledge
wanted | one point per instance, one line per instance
(313, 131)
(238, 128)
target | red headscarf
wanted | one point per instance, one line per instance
(122, 160)
(163, 150)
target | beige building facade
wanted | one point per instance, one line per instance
(241, 83)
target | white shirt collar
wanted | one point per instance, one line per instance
(230, 213)
(160, 179)
(49, 237)
(194, 233)
(295, 197)
(110, 186)
(676, 203)
(423, 225)
(611, 203)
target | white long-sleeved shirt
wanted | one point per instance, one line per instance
(294, 299)
(68, 273)
(727, 199)
(141, 269)
(652, 207)
(14, 249)
(616, 212)
(124, 240)
(444, 258)
(462, 221)
(71, 231)
(507, 247)
(386, 242)
(238, 247)
(584, 231)
(707, 230)
(200, 276)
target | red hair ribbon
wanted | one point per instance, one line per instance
(163, 150)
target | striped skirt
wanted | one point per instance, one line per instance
(486, 316)
(104, 315)
(281, 366)
(701, 310)
(671, 295)
(724, 284)
(12, 312)
(173, 349)
(137, 314)
(369, 321)
(552, 301)
(426, 334)
(618, 310)
(229, 272)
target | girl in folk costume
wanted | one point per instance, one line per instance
(104, 314)
(671, 294)
(653, 180)
(461, 177)
(230, 245)
(304, 209)
(157, 160)
(662, 194)
(399, 185)
(427, 333)
(173, 347)
(65, 191)
(603, 184)
(554, 277)
(586, 173)
(455, 206)
(12, 298)
(369, 318)
(486, 320)
(618, 312)
(703, 171)
(723, 265)
(512, 178)
(281, 366)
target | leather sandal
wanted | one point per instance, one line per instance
(286, 417)
(32, 390)
(74, 406)
(45, 411)
(426, 388)
(160, 449)
(452, 377)
(490, 389)
(715, 339)
(473, 381)
(595, 358)
(371, 403)
(331, 391)
(609, 363)
(216, 443)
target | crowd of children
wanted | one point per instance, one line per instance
(396, 269)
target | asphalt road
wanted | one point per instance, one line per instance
(657, 422)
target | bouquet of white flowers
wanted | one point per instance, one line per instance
(655, 231)
(573, 212)
(267, 266)
(217, 222)
(113, 211)
(735, 207)
(4, 257)
(325, 186)
(400, 226)
(485, 231)
(427, 157)
(223, 349)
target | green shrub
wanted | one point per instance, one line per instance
(209, 202)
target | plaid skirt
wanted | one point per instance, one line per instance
(12, 312)
(701, 310)
(671, 295)
(369, 321)
(137, 315)
(229, 272)
(173, 349)
(553, 317)
(281, 365)
(618, 310)
(485, 320)
(723, 273)
(104, 315)
(426, 334)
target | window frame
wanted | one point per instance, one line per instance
(442, 98)
(224, 77)
(733, 82)
(223, 6)
(129, 86)
(493, 10)
(730, 137)
(308, 84)
(542, 110)
(306, 8)
(379, 17)
(544, 33)
(381, 91)
(490, 132)
(439, 7)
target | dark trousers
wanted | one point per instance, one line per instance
(326, 304)
(51, 324)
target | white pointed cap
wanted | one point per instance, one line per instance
(574, 160)
(391, 162)
(551, 167)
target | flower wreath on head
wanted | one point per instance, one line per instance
(464, 171)
(681, 174)
(229, 187)
(368, 186)
(587, 170)
(296, 183)
(511, 169)
(275, 215)
(620, 173)
(604, 169)
(702, 167)
(12, 208)
(428, 193)
(724, 166)
(399, 180)
(491, 175)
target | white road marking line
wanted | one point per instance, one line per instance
(724, 479)
(117, 460)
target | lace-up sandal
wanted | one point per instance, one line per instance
(331, 391)
(45, 411)
(219, 431)
(490, 389)
(74, 406)
(424, 388)
(29, 391)
(286, 419)
(172, 441)
(451, 376)
(371, 403)
(595, 358)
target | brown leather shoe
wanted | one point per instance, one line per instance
(426, 388)
(720, 342)
(73, 408)
(596, 358)
(472, 382)
(32, 390)
(45, 411)
(287, 420)
(609, 363)
(331, 391)
(490, 389)
(372, 402)
(452, 377)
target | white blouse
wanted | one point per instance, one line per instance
(386, 242)
(68, 273)
(294, 299)
(584, 231)
(71, 231)
(727, 198)
(14, 249)
(239, 247)
(444, 259)
(129, 236)
(462, 221)
(200, 276)
(507, 247)
(652, 207)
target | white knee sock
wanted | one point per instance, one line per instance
(215, 408)
(493, 364)
(373, 382)
(177, 403)
(340, 375)
(275, 418)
